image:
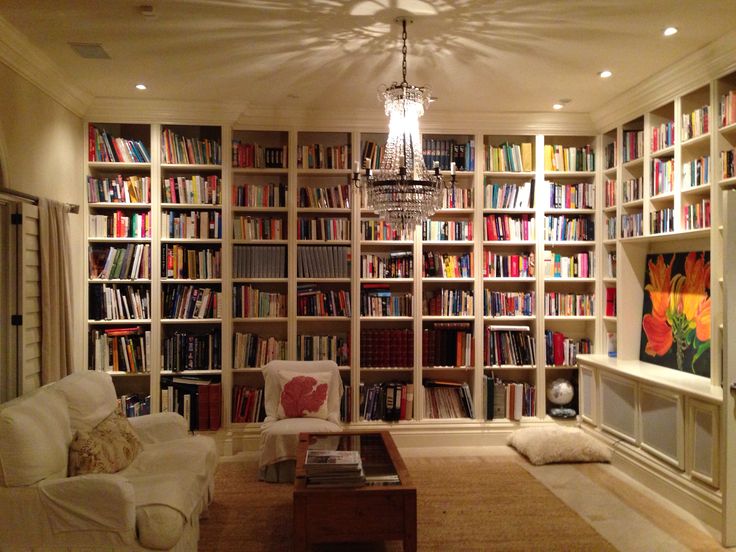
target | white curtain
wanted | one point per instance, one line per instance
(56, 300)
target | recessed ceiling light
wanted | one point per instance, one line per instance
(557, 106)
(140, 86)
(605, 74)
(669, 31)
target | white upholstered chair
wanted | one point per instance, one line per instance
(280, 430)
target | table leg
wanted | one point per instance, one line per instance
(410, 524)
(300, 524)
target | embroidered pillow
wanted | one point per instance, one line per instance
(304, 395)
(107, 448)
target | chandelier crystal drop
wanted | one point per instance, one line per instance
(402, 191)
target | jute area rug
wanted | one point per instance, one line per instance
(466, 503)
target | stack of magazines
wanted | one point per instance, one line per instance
(334, 468)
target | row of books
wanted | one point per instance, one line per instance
(119, 189)
(248, 405)
(311, 301)
(444, 230)
(179, 261)
(259, 195)
(663, 176)
(610, 301)
(633, 189)
(510, 401)
(371, 154)
(198, 400)
(382, 302)
(633, 147)
(609, 153)
(110, 149)
(611, 264)
(632, 225)
(176, 149)
(324, 347)
(258, 261)
(257, 156)
(510, 157)
(120, 225)
(696, 215)
(113, 302)
(569, 228)
(387, 348)
(185, 350)
(728, 164)
(192, 189)
(446, 151)
(132, 405)
(695, 123)
(194, 225)
(255, 351)
(609, 198)
(190, 302)
(258, 228)
(396, 264)
(509, 228)
(251, 302)
(568, 304)
(332, 197)
(571, 196)
(456, 197)
(388, 401)
(446, 265)
(662, 221)
(320, 156)
(663, 136)
(727, 108)
(561, 350)
(561, 158)
(696, 172)
(323, 229)
(323, 261)
(379, 230)
(508, 266)
(446, 399)
(448, 302)
(508, 346)
(508, 303)
(508, 195)
(130, 262)
(448, 344)
(120, 350)
(579, 265)
(610, 227)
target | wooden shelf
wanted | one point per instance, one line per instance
(118, 166)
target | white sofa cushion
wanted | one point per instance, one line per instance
(90, 396)
(35, 439)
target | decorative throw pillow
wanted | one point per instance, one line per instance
(107, 448)
(304, 395)
(547, 445)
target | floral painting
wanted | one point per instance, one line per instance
(676, 318)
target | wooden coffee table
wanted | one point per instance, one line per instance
(354, 514)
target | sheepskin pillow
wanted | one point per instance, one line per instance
(547, 445)
(107, 448)
(304, 395)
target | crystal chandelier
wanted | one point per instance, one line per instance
(403, 191)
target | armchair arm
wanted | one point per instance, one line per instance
(155, 428)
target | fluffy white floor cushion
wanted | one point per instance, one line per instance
(547, 445)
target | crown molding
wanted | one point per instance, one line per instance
(691, 72)
(163, 111)
(18, 53)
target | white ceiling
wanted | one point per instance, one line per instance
(475, 55)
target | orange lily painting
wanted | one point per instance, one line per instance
(676, 318)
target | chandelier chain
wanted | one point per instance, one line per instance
(403, 53)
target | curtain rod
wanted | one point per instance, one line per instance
(73, 207)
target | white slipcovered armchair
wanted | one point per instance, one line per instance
(293, 394)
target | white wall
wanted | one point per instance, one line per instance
(42, 152)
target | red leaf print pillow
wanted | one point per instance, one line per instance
(304, 395)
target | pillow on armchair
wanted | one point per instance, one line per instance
(303, 395)
(109, 447)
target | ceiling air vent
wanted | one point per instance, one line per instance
(89, 50)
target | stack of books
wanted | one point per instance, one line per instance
(334, 468)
